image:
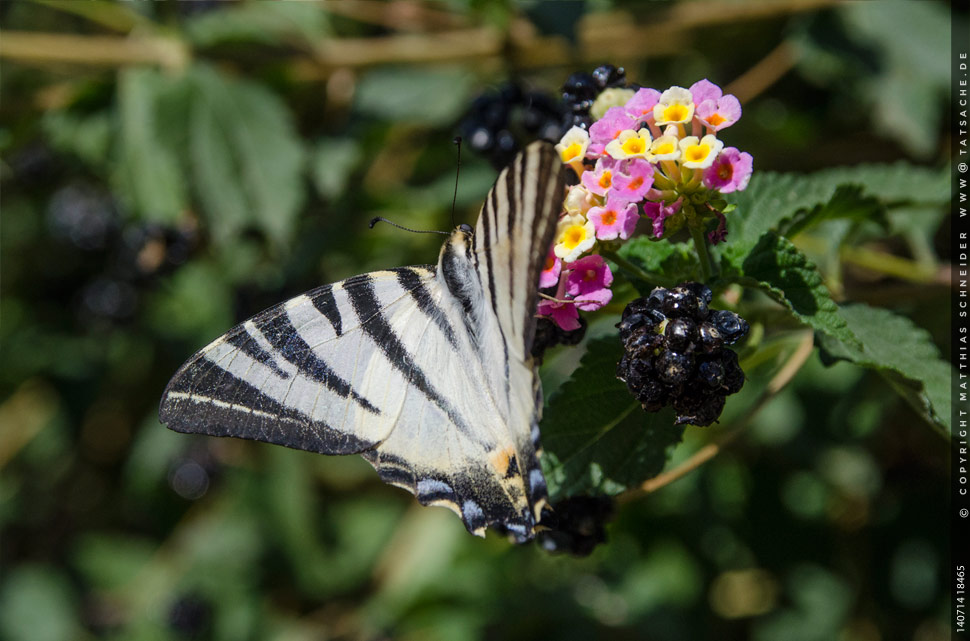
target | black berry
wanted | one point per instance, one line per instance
(675, 352)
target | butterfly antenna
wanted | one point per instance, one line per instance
(454, 199)
(381, 219)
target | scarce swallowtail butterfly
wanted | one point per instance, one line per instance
(425, 371)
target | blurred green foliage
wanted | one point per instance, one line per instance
(147, 206)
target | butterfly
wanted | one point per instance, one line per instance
(425, 371)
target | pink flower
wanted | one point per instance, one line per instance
(589, 283)
(714, 109)
(641, 105)
(633, 181)
(549, 275)
(564, 314)
(704, 90)
(658, 212)
(601, 178)
(730, 172)
(607, 128)
(616, 219)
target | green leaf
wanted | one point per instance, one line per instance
(902, 352)
(792, 202)
(262, 22)
(109, 562)
(334, 159)
(147, 174)
(595, 436)
(666, 263)
(909, 89)
(847, 203)
(431, 97)
(780, 269)
(246, 159)
(194, 304)
(36, 604)
(88, 136)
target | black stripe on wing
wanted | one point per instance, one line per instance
(203, 398)
(325, 303)
(414, 284)
(243, 340)
(529, 194)
(376, 326)
(287, 340)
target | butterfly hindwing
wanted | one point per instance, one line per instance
(425, 371)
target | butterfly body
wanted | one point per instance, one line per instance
(425, 371)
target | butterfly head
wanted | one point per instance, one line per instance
(459, 244)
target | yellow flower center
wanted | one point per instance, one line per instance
(609, 217)
(634, 146)
(606, 179)
(571, 152)
(697, 153)
(636, 183)
(715, 119)
(573, 236)
(675, 113)
(664, 148)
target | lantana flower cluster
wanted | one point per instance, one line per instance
(652, 154)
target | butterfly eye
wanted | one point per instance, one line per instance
(465, 228)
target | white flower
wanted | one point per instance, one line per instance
(665, 147)
(630, 144)
(573, 145)
(577, 200)
(676, 105)
(700, 154)
(574, 235)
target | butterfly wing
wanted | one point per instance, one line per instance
(306, 373)
(484, 465)
(421, 370)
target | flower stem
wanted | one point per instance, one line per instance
(627, 266)
(700, 246)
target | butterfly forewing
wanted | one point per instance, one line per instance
(303, 374)
(424, 371)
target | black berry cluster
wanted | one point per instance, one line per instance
(575, 525)
(675, 352)
(501, 122)
(548, 334)
(580, 91)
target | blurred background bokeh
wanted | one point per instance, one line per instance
(170, 168)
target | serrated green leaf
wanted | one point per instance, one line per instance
(246, 158)
(772, 201)
(901, 351)
(595, 436)
(779, 268)
(666, 263)
(147, 174)
(847, 203)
